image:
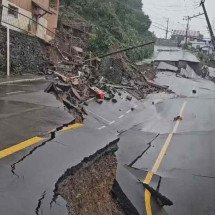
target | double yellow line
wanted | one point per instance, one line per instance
(34, 140)
(158, 163)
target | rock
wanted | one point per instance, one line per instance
(112, 69)
(132, 109)
(99, 101)
(177, 118)
(132, 84)
(114, 90)
(63, 86)
(129, 97)
(119, 93)
(114, 100)
(108, 97)
(194, 91)
(28, 54)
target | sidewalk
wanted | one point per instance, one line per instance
(20, 78)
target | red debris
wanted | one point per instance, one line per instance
(99, 93)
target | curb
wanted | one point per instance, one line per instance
(22, 80)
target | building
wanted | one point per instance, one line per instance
(180, 36)
(36, 17)
(203, 45)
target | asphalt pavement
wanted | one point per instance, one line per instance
(181, 157)
(173, 157)
(26, 111)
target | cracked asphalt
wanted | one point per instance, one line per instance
(185, 174)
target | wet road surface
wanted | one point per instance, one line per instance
(185, 174)
(29, 176)
(26, 111)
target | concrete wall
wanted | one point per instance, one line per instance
(27, 4)
(21, 22)
(53, 18)
(45, 3)
(24, 4)
(25, 53)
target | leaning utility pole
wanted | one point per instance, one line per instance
(167, 28)
(208, 22)
(124, 50)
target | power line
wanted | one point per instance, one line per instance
(163, 29)
(178, 8)
(160, 24)
(188, 22)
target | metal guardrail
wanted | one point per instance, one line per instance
(23, 23)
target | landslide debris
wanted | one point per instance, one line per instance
(69, 60)
(93, 26)
(78, 76)
(74, 84)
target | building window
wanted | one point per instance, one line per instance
(13, 11)
(53, 4)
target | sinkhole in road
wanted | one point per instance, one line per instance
(91, 188)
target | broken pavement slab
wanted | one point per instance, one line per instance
(34, 186)
(188, 72)
(176, 56)
(166, 67)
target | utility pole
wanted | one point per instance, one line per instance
(208, 22)
(167, 28)
(187, 29)
(8, 51)
(188, 23)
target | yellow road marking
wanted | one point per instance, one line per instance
(20, 146)
(34, 140)
(158, 162)
(74, 126)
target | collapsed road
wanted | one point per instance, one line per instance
(150, 156)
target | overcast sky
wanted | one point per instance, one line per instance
(176, 10)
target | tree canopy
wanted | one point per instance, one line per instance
(115, 22)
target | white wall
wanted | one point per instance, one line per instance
(22, 23)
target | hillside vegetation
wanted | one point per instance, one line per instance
(116, 24)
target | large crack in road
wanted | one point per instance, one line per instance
(91, 187)
(52, 137)
(139, 156)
